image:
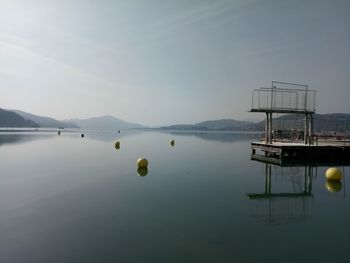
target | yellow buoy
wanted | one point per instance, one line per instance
(172, 142)
(333, 186)
(117, 144)
(142, 171)
(334, 174)
(142, 162)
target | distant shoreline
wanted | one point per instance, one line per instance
(12, 129)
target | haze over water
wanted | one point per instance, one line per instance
(71, 199)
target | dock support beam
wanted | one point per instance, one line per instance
(309, 129)
(270, 125)
(268, 128)
(306, 129)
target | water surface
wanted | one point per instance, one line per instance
(71, 199)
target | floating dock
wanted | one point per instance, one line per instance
(284, 98)
(279, 152)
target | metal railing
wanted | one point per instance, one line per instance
(285, 99)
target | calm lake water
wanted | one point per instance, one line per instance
(71, 199)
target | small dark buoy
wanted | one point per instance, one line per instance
(172, 142)
(142, 162)
(118, 131)
(117, 145)
(59, 133)
(82, 135)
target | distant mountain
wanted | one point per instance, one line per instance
(14, 120)
(45, 122)
(224, 124)
(104, 122)
(322, 122)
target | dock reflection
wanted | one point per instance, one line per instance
(283, 207)
(275, 206)
(308, 173)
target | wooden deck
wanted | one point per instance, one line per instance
(279, 151)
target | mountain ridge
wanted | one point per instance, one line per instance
(322, 122)
(43, 121)
(14, 120)
(221, 124)
(104, 122)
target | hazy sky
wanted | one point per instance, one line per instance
(158, 62)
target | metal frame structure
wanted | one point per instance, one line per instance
(299, 99)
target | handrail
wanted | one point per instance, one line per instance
(276, 98)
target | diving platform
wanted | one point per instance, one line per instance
(302, 144)
(285, 98)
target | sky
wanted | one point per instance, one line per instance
(161, 62)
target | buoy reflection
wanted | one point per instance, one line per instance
(142, 171)
(333, 186)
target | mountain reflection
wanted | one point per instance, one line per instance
(110, 135)
(219, 136)
(18, 138)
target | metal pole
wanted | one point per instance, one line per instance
(290, 99)
(270, 128)
(314, 108)
(311, 129)
(266, 177)
(305, 179)
(269, 176)
(306, 129)
(271, 95)
(267, 127)
(282, 100)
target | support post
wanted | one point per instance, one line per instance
(306, 129)
(267, 128)
(311, 129)
(270, 128)
(266, 178)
